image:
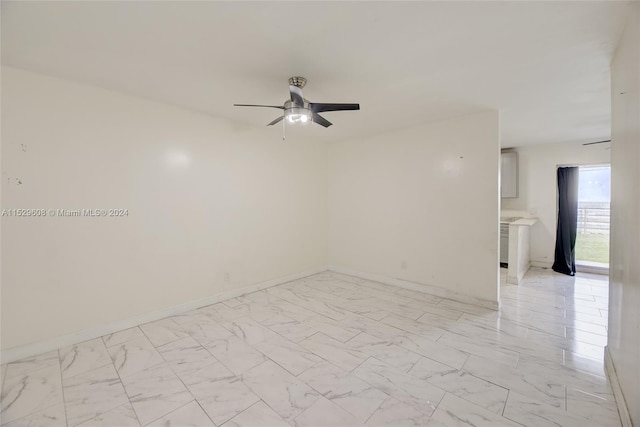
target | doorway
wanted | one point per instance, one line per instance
(594, 199)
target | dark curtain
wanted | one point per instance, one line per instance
(565, 256)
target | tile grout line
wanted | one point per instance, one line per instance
(183, 384)
(504, 408)
(246, 409)
(378, 407)
(64, 400)
(113, 363)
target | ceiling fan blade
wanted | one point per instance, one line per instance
(319, 107)
(279, 119)
(317, 118)
(254, 105)
(597, 142)
(296, 96)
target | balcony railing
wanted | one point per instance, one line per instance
(593, 217)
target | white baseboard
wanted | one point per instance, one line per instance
(414, 286)
(581, 268)
(542, 264)
(610, 369)
(33, 349)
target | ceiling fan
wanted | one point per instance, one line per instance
(299, 110)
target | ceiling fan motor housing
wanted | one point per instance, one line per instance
(288, 104)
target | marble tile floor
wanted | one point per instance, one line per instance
(335, 350)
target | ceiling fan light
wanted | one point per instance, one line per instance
(298, 115)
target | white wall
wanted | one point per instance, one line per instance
(426, 197)
(205, 197)
(537, 189)
(624, 286)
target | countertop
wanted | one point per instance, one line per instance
(519, 222)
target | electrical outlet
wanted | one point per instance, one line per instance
(404, 265)
(226, 277)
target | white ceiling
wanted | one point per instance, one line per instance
(544, 65)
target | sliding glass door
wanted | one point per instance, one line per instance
(594, 197)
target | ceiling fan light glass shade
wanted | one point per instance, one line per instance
(298, 115)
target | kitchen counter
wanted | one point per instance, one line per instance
(519, 249)
(518, 221)
(524, 221)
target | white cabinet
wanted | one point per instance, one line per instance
(509, 175)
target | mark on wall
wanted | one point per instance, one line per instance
(15, 181)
